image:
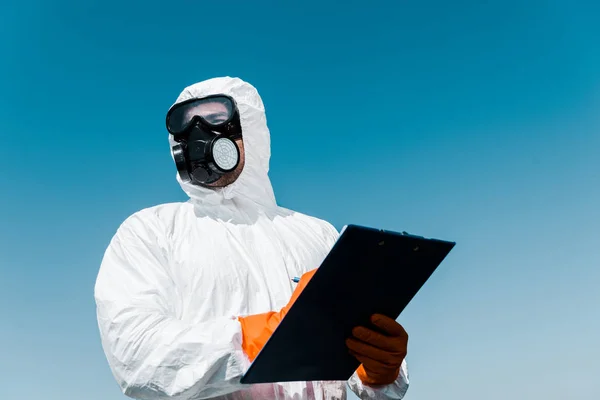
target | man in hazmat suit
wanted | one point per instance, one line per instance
(188, 293)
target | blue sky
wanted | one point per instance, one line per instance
(475, 122)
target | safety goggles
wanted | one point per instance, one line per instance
(214, 111)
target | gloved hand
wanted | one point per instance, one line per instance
(257, 328)
(380, 354)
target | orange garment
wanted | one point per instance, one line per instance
(258, 328)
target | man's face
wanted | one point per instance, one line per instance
(216, 112)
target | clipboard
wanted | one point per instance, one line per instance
(367, 271)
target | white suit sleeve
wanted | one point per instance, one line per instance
(152, 353)
(395, 390)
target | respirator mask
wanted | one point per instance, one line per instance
(205, 130)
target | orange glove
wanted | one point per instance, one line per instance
(380, 354)
(258, 328)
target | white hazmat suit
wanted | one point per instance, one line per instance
(175, 277)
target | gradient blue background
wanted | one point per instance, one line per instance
(470, 121)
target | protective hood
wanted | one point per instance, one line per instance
(253, 184)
